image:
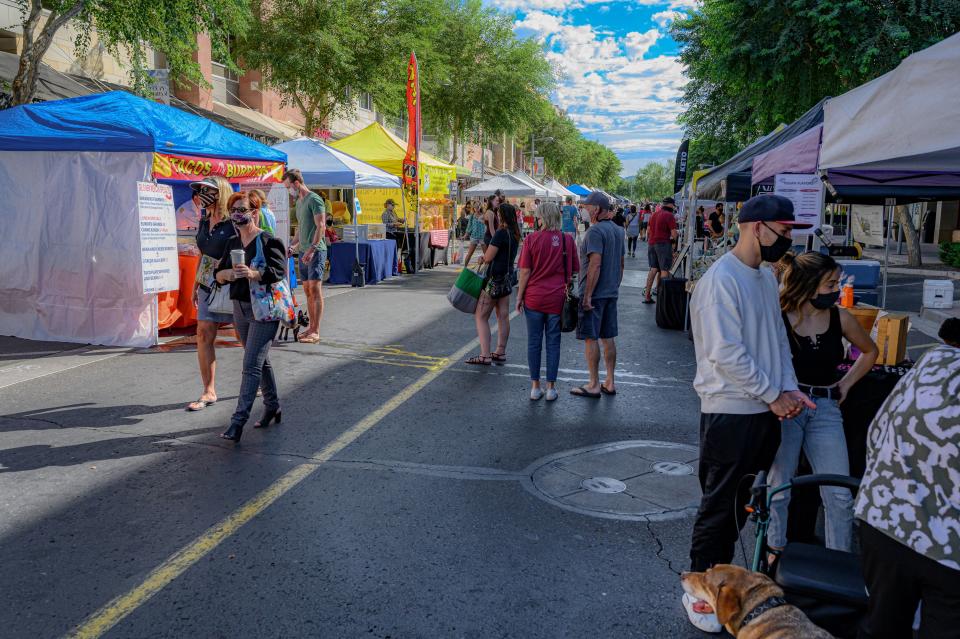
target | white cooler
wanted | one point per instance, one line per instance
(938, 293)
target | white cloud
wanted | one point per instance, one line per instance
(637, 44)
(609, 88)
(665, 18)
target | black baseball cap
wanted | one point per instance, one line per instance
(596, 198)
(668, 200)
(770, 208)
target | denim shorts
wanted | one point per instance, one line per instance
(600, 322)
(314, 269)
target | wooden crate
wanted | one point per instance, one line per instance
(866, 315)
(892, 338)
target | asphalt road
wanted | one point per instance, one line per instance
(427, 524)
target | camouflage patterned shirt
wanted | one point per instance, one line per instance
(911, 487)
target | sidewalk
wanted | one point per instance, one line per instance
(897, 263)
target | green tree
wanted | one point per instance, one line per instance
(128, 27)
(754, 65)
(317, 54)
(654, 181)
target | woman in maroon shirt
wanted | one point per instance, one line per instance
(544, 277)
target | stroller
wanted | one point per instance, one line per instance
(826, 584)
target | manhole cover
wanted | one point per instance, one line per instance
(640, 480)
(607, 485)
(673, 468)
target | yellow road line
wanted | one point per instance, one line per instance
(116, 610)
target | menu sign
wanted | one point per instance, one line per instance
(806, 193)
(159, 263)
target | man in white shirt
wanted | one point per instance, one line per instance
(745, 381)
(188, 215)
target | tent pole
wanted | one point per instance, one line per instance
(888, 205)
(356, 225)
(406, 236)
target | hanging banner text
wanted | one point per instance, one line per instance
(194, 168)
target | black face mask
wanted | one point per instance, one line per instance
(777, 250)
(823, 301)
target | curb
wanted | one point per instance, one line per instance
(899, 270)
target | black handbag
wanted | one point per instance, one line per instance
(570, 314)
(502, 286)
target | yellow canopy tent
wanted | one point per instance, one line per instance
(377, 146)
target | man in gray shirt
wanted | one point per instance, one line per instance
(601, 260)
(745, 381)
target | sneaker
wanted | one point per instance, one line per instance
(552, 394)
(701, 621)
(536, 393)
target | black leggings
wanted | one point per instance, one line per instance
(631, 244)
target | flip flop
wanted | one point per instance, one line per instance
(603, 389)
(200, 404)
(310, 339)
(581, 391)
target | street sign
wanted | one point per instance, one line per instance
(160, 84)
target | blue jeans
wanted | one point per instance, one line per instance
(540, 325)
(257, 371)
(819, 433)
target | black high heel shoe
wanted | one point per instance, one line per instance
(274, 416)
(233, 433)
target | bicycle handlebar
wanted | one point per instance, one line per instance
(759, 484)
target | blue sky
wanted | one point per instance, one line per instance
(619, 76)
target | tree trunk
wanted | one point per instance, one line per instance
(25, 82)
(911, 234)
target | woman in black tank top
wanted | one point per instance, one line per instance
(816, 329)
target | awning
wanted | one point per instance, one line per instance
(324, 166)
(51, 85)
(257, 120)
(799, 155)
(711, 186)
(507, 184)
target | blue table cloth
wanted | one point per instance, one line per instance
(378, 257)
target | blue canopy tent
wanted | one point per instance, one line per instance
(577, 189)
(323, 166)
(70, 170)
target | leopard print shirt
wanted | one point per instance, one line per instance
(911, 488)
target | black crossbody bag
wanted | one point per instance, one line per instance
(569, 316)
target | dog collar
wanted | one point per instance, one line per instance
(766, 605)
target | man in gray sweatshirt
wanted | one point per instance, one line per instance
(745, 381)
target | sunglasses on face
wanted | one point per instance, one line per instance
(240, 210)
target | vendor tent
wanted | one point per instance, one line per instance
(327, 167)
(897, 136)
(799, 155)
(72, 271)
(377, 146)
(577, 189)
(712, 186)
(555, 186)
(507, 184)
(540, 190)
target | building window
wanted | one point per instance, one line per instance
(226, 84)
(366, 101)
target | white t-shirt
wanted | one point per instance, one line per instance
(188, 216)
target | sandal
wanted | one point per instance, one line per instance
(606, 391)
(310, 339)
(479, 360)
(581, 391)
(499, 357)
(200, 404)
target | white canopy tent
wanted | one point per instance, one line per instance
(540, 190)
(554, 185)
(507, 184)
(904, 120)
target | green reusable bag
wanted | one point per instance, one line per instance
(466, 290)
